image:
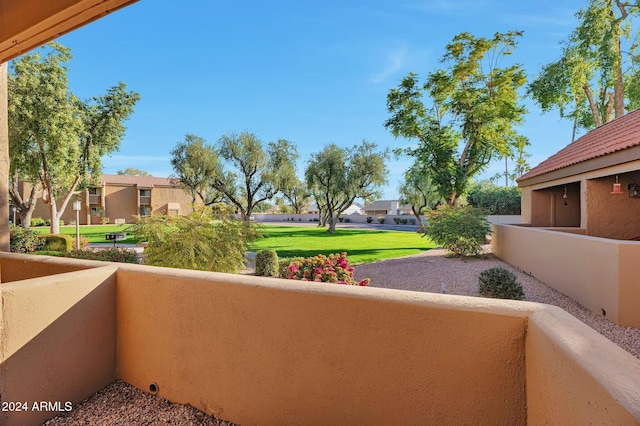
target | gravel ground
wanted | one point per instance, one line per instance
(434, 269)
(122, 404)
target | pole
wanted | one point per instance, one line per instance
(78, 230)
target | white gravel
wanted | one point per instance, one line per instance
(435, 269)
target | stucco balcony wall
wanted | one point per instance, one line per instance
(267, 351)
(599, 273)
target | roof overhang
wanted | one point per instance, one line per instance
(26, 24)
(602, 162)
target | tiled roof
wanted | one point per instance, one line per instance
(145, 181)
(616, 135)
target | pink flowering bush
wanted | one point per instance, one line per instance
(328, 269)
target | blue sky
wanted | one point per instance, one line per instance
(311, 72)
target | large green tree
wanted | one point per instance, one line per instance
(239, 169)
(597, 76)
(199, 170)
(471, 113)
(57, 141)
(419, 192)
(337, 176)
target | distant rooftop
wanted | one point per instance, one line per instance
(148, 181)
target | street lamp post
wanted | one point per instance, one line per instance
(76, 207)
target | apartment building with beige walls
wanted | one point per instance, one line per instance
(121, 198)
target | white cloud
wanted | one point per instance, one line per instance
(394, 62)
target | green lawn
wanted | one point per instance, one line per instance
(362, 246)
(95, 233)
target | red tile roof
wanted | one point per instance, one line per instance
(143, 181)
(616, 135)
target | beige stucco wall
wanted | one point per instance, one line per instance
(613, 215)
(573, 376)
(17, 267)
(58, 340)
(268, 351)
(587, 269)
(162, 195)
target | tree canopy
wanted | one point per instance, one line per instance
(56, 140)
(471, 113)
(418, 191)
(337, 176)
(238, 170)
(597, 76)
(130, 171)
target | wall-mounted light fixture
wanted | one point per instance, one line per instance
(617, 187)
(634, 190)
(565, 196)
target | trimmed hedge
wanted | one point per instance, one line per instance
(57, 242)
(266, 263)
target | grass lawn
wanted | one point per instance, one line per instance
(362, 246)
(95, 233)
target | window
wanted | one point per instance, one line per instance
(94, 191)
(96, 211)
(145, 193)
(145, 210)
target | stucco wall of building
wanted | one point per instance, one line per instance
(588, 269)
(265, 351)
(613, 215)
(270, 351)
(58, 341)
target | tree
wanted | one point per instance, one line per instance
(419, 191)
(472, 114)
(256, 174)
(298, 195)
(199, 169)
(598, 71)
(337, 176)
(129, 171)
(57, 140)
(261, 173)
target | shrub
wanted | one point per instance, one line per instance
(208, 239)
(23, 240)
(57, 242)
(104, 221)
(37, 221)
(369, 219)
(266, 263)
(113, 254)
(48, 222)
(495, 199)
(283, 268)
(84, 241)
(461, 230)
(499, 283)
(329, 269)
(381, 219)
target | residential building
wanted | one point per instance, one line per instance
(120, 198)
(387, 207)
(580, 214)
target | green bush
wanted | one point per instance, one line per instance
(283, 267)
(495, 199)
(23, 240)
(57, 242)
(113, 254)
(37, 221)
(461, 230)
(48, 222)
(266, 263)
(500, 283)
(208, 239)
